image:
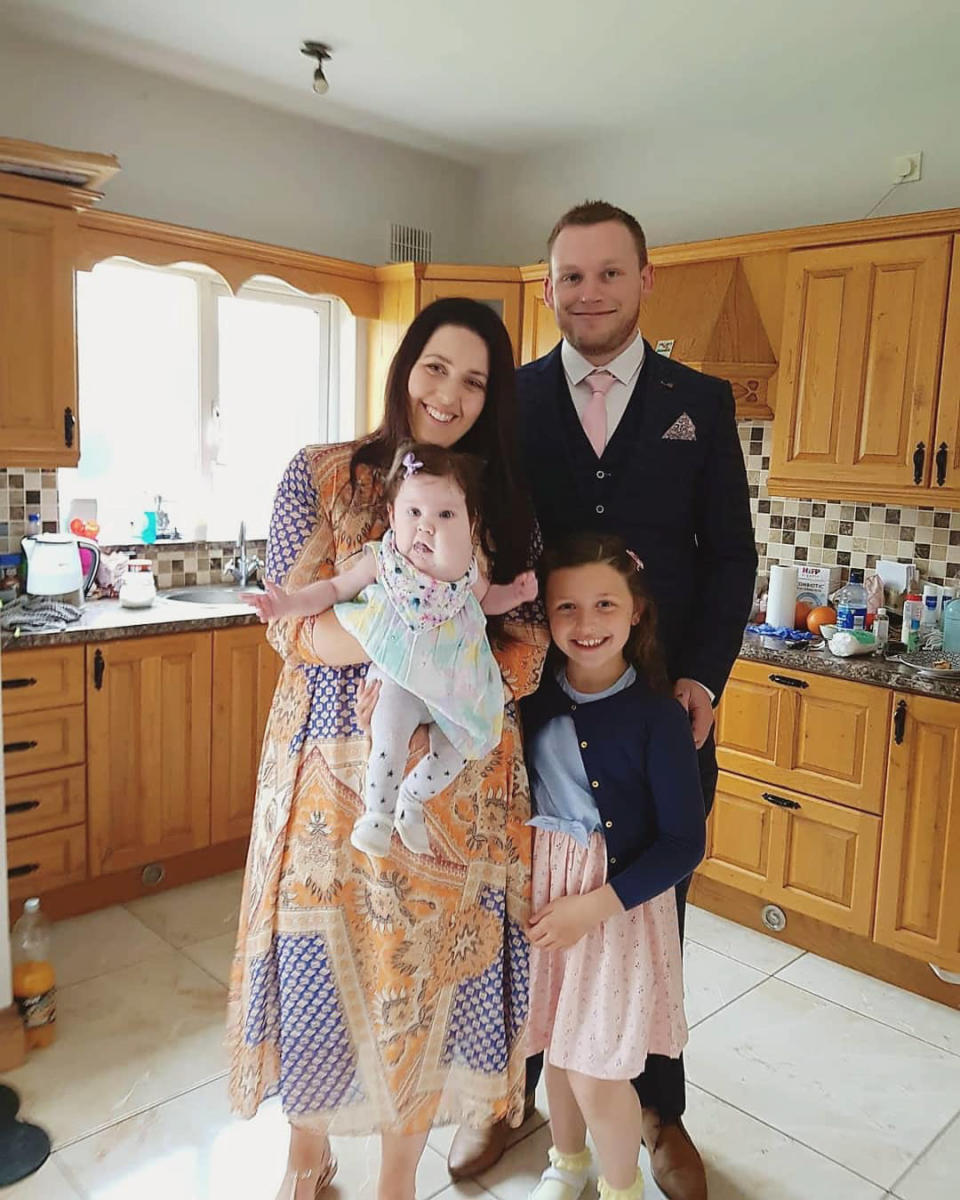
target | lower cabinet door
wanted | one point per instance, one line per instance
(809, 855)
(148, 749)
(245, 672)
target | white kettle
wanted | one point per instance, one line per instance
(55, 568)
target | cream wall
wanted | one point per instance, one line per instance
(204, 159)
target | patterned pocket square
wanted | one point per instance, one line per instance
(682, 430)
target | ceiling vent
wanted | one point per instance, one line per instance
(409, 244)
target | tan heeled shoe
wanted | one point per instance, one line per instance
(324, 1176)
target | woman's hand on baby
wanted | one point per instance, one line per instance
(269, 604)
(368, 693)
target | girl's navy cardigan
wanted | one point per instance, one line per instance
(639, 756)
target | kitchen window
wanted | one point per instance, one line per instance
(199, 396)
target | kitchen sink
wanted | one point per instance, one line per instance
(222, 594)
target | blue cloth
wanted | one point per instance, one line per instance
(562, 797)
(782, 631)
(638, 754)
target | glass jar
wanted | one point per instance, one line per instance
(137, 588)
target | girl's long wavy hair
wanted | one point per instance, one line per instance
(506, 524)
(643, 649)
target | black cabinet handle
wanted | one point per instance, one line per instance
(26, 869)
(919, 457)
(789, 681)
(17, 747)
(19, 806)
(69, 424)
(98, 669)
(779, 801)
(18, 683)
(900, 722)
(942, 464)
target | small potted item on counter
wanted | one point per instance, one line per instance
(137, 588)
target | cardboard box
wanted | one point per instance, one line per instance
(815, 585)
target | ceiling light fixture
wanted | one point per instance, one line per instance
(320, 51)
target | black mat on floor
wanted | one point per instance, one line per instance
(23, 1148)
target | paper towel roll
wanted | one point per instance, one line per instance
(782, 597)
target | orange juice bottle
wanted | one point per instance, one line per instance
(34, 985)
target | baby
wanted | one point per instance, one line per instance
(417, 603)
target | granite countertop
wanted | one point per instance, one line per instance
(865, 668)
(108, 620)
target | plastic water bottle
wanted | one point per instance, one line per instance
(34, 985)
(852, 603)
(951, 627)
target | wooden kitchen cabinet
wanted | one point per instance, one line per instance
(498, 287)
(540, 330)
(245, 673)
(863, 329)
(825, 737)
(945, 476)
(148, 748)
(806, 854)
(38, 374)
(918, 897)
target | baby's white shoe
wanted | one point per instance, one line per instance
(565, 1178)
(411, 826)
(372, 833)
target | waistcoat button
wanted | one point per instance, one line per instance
(600, 508)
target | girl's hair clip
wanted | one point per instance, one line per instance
(635, 559)
(411, 465)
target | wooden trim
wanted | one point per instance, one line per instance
(44, 191)
(472, 274)
(93, 169)
(406, 272)
(848, 949)
(127, 885)
(945, 220)
(106, 235)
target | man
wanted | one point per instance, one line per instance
(619, 439)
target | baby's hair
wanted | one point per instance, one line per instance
(643, 649)
(466, 471)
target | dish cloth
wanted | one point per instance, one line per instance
(798, 635)
(34, 614)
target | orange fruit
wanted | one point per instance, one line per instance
(822, 615)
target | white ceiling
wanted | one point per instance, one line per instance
(469, 77)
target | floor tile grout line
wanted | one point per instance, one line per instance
(687, 937)
(866, 1016)
(790, 1137)
(733, 1000)
(955, 1119)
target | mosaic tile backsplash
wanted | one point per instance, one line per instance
(788, 531)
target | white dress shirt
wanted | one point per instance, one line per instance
(625, 369)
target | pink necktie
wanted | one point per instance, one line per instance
(594, 419)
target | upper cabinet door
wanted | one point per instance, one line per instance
(540, 332)
(859, 365)
(38, 374)
(502, 297)
(945, 481)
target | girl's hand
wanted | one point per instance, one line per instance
(564, 921)
(270, 604)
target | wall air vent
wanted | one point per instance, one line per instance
(409, 244)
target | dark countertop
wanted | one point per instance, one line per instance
(108, 620)
(865, 668)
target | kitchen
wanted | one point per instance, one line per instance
(835, 393)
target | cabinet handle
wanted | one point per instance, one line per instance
(900, 722)
(26, 869)
(789, 681)
(779, 801)
(69, 424)
(17, 747)
(21, 806)
(919, 457)
(942, 464)
(18, 683)
(98, 668)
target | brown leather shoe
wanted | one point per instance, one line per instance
(474, 1151)
(676, 1163)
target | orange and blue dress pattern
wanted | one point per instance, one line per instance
(385, 994)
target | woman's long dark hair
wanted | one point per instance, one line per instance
(643, 649)
(507, 521)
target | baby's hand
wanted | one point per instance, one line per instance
(504, 597)
(526, 587)
(271, 604)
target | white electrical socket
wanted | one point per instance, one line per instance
(906, 168)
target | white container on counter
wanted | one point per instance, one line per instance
(782, 597)
(137, 588)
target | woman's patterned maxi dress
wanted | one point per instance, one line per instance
(382, 994)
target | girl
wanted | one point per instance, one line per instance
(416, 603)
(386, 995)
(620, 821)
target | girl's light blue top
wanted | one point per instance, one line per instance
(562, 798)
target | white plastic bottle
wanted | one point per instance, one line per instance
(881, 630)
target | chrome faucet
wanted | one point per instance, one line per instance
(243, 568)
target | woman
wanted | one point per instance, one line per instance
(386, 996)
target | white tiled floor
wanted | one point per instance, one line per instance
(807, 1080)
